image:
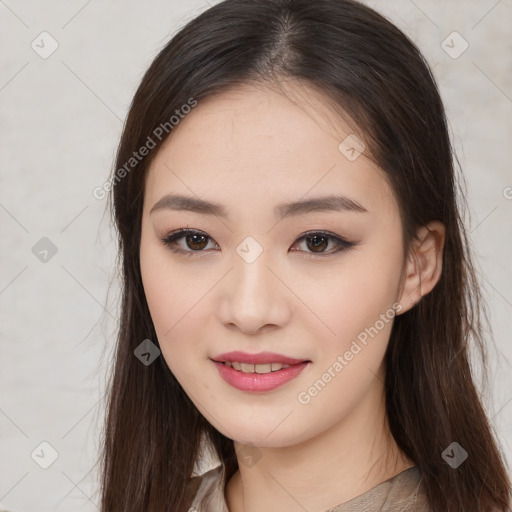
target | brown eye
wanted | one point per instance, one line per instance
(194, 241)
(317, 242)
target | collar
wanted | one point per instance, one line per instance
(207, 458)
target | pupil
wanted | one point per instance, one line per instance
(316, 243)
(193, 237)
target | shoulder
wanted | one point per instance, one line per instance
(407, 493)
(402, 493)
(207, 492)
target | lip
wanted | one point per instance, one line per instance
(258, 382)
(261, 358)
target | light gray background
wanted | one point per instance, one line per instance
(61, 118)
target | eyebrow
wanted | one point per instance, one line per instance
(317, 204)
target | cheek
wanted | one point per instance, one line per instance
(177, 307)
(169, 292)
(165, 290)
(359, 313)
(356, 295)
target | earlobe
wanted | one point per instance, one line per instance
(424, 266)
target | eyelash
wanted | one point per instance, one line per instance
(343, 245)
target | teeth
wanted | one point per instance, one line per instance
(263, 368)
(256, 368)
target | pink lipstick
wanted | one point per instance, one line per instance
(260, 372)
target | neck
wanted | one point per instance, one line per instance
(341, 463)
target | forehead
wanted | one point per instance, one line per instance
(255, 144)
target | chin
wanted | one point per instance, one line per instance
(263, 435)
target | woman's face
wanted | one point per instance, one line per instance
(250, 281)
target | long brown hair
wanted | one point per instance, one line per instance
(368, 68)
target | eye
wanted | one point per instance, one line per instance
(317, 241)
(197, 241)
(194, 240)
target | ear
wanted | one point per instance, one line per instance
(424, 265)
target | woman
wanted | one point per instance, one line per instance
(298, 290)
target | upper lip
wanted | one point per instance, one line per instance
(260, 358)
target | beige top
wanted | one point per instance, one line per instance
(402, 493)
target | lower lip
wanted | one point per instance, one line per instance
(259, 381)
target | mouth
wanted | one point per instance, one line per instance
(262, 362)
(259, 377)
(258, 372)
(255, 368)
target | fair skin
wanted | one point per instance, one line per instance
(250, 149)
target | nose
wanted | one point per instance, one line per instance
(254, 297)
